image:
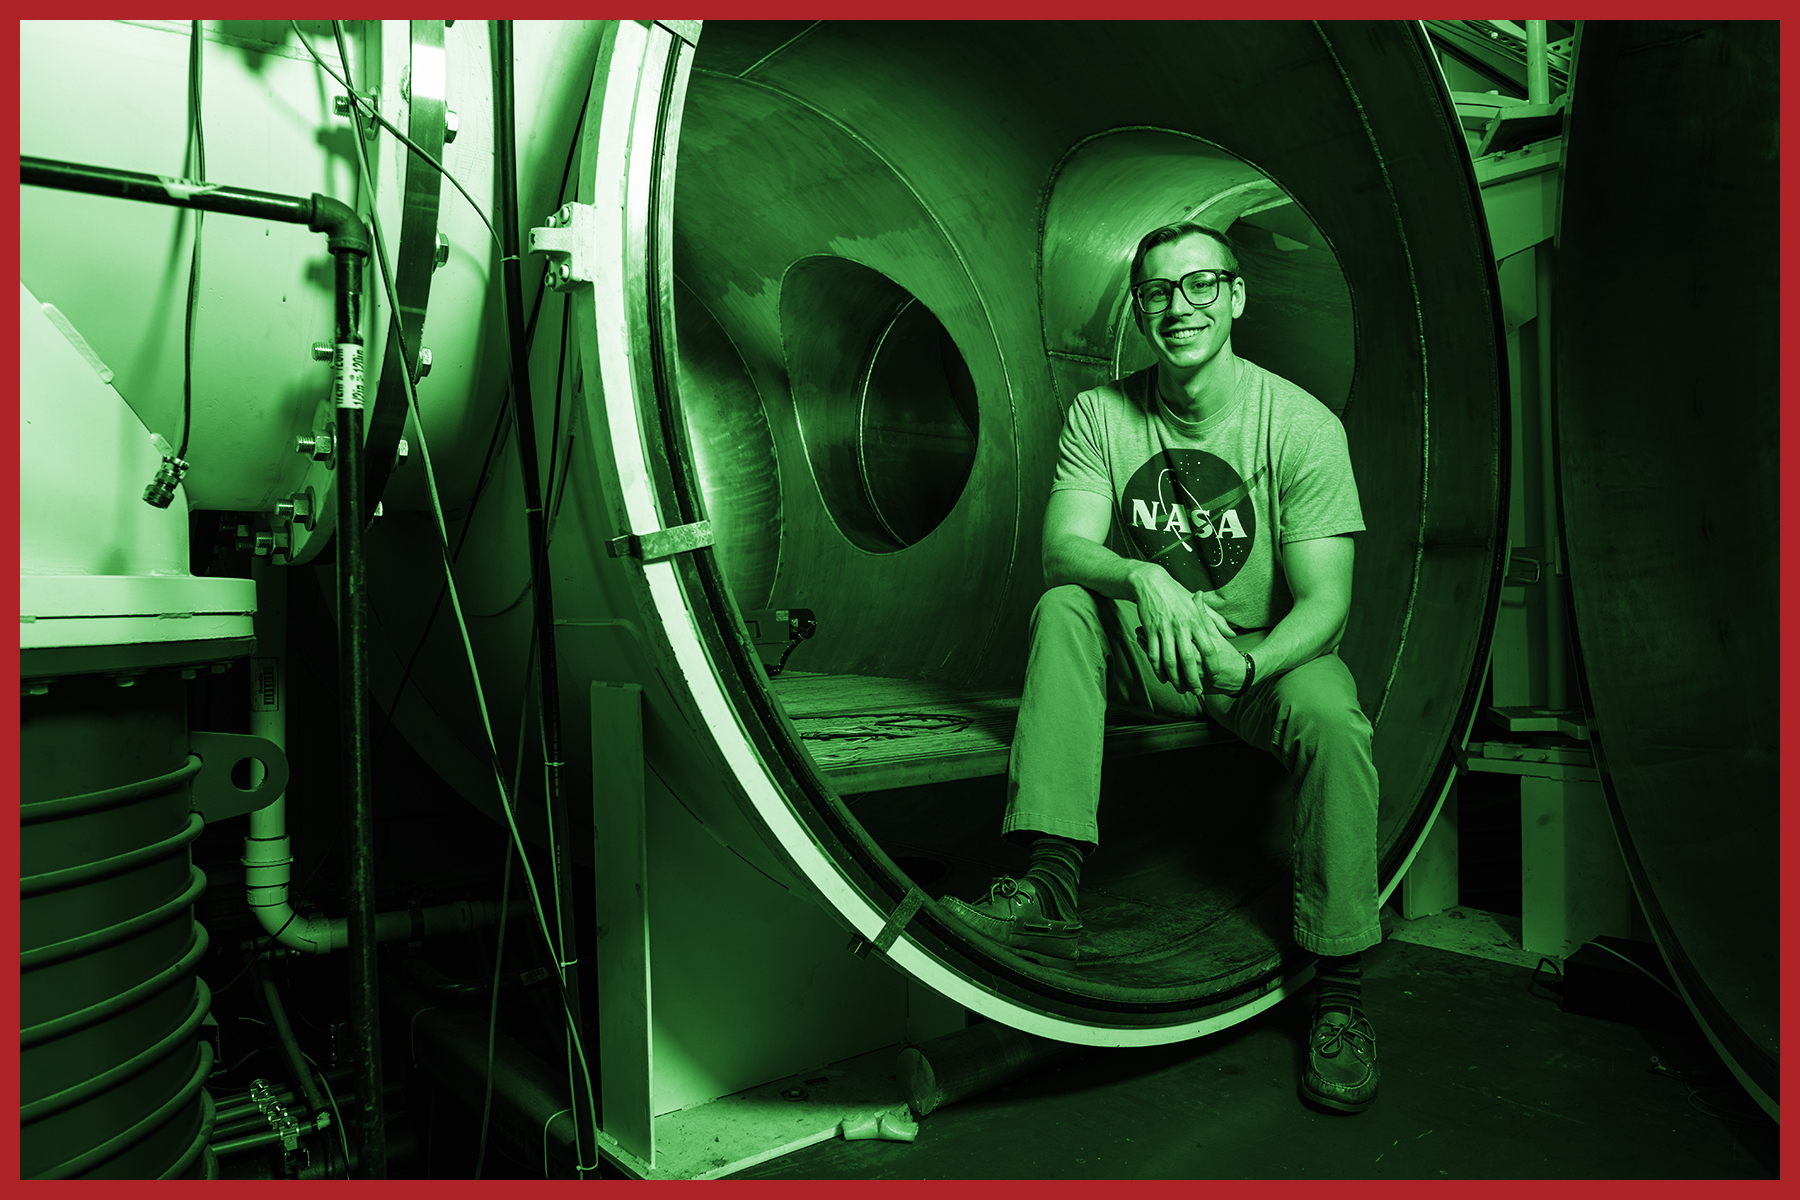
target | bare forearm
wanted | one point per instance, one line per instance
(1093, 566)
(1310, 628)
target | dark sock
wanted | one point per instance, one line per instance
(1056, 869)
(1339, 982)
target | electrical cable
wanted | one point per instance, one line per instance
(361, 107)
(487, 1091)
(555, 481)
(197, 140)
(559, 1112)
(549, 718)
(562, 359)
(443, 540)
(558, 474)
(502, 426)
(487, 1096)
(240, 1062)
(455, 601)
(436, 503)
(1650, 975)
(1535, 982)
(357, 107)
(331, 1096)
(1693, 1083)
(270, 938)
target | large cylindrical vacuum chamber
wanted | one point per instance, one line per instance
(844, 279)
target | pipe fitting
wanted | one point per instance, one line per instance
(343, 229)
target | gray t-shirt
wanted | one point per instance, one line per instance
(1214, 501)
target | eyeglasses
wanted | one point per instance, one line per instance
(1200, 287)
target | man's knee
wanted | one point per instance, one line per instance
(1324, 717)
(1068, 604)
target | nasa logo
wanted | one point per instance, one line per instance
(1189, 511)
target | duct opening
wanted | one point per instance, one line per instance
(885, 402)
(1113, 188)
(1192, 894)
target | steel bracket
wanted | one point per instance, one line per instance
(567, 240)
(215, 796)
(662, 543)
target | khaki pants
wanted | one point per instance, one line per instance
(1085, 657)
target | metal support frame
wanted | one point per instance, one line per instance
(716, 980)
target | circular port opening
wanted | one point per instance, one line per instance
(887, 405)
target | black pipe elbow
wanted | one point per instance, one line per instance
(340, 223)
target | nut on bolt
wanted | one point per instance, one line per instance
(424, 364)
(442, 254)
(258, 542)
(400, 453)
(297, 508)
(317, 446)
(345, 106)
(450, 123)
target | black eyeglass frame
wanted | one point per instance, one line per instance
(1221, 277)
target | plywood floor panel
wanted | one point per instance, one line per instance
(868, 733)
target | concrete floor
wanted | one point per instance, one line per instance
(1481, 1078)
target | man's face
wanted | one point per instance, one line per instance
(1182, 336)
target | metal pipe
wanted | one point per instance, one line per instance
(233, 1124)
(1537, 61)
(240, 1105)
(268, 859)
(317, 212)
(1556, 636)
(531, 1113)
(276, 1012)
(549, 707)
(353, 732)
(160, 189)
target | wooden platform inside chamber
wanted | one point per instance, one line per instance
(868, 733)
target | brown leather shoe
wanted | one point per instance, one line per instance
(1013, 916)
(1341, 1070)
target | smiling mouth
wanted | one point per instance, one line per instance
(1183, 335)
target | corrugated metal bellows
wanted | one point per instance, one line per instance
(112, 1066)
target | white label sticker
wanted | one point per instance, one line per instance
(265, 685)
(348, 377)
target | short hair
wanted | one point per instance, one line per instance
(1165, 234)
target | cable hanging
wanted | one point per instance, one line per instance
(360, 108)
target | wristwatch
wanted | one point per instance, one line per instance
(1249, 676)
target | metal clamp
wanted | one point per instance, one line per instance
(1523, 567)
(283, 1123)
(567, 240)
(662, 543)
(898, 920)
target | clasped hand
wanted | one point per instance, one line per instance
(1187, 642)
